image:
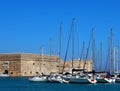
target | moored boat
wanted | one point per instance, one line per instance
(4, 75)
(104, 78)
(84, 78)
(38, 79)
(57, 78)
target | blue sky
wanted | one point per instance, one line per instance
(25, 25)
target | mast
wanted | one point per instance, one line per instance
(115, 59)
(87, 53)
(108, 56)
(93, 48)
(81, 53)
(100, 56)
(73, 42)
(51, 67)
(60, 44)
(42, 68)
(111, 51)
(71, 32)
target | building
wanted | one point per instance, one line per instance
(28, 64)
(32, 64)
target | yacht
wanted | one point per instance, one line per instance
(38, 79)
(4, 75)
(103, 78)
(81, 78)
(57, 78)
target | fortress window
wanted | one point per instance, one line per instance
(30, 72)
(36, 72)
(11, 73)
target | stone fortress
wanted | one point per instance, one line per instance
(22, 64)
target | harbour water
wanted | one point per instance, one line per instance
(23, 84)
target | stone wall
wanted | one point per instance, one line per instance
(78, 64)
(11, 63)
(32, 64)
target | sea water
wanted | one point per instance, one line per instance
(23, 84)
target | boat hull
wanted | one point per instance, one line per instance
(82, 80)
(38, 79)
(105, 80)
(4, 75)
(78, 80)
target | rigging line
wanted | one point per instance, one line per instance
(108, 56)
(67, 50)
(87, 53)
(81, 53)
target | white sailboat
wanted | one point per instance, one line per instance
(102, 78)
(102, 75)
(4, 75)
(78, 78)
(57, 78)
(40, 77)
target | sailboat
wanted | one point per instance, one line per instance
(103, 76)
(57, 77)
(40, 77)
(4, 75)
(77, 78)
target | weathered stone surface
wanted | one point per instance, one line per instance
(32, 64)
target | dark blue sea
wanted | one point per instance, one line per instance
(23, 84)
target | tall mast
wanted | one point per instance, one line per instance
(108, 57)
(42, 68)
(87, 54)
(73, 42)
(111, 51)
(93, 48)
(100, 56)
(116, 57)
(51, 67)
(60, 44)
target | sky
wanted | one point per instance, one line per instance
(26, 25)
